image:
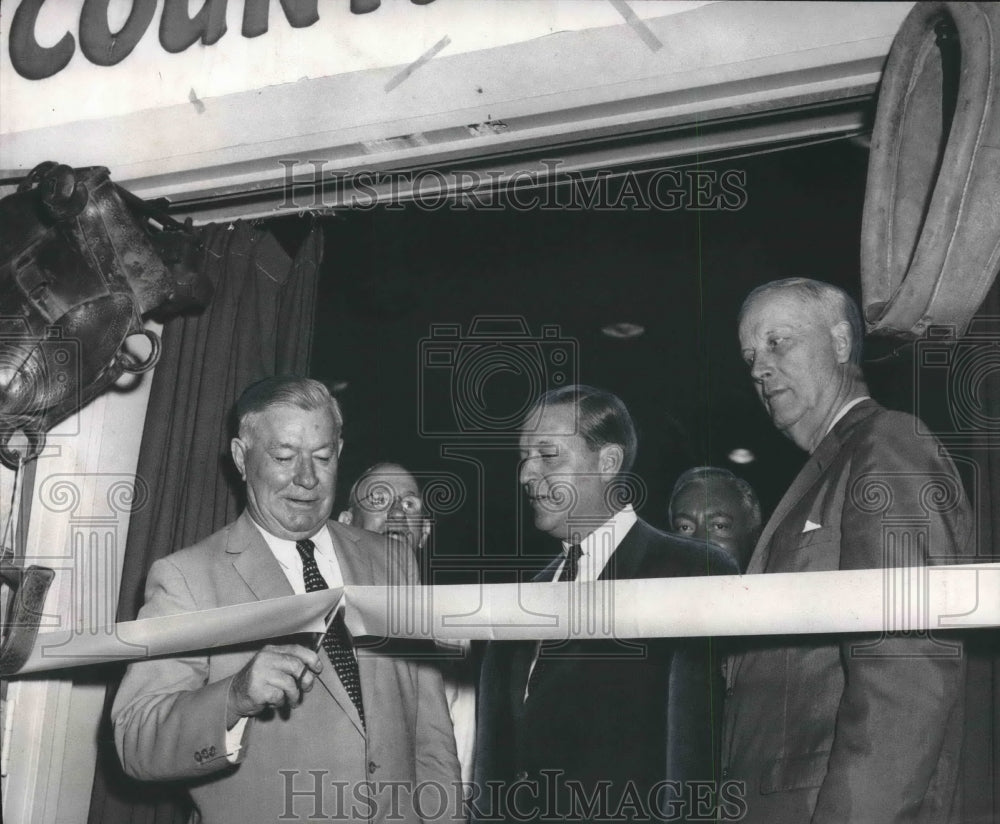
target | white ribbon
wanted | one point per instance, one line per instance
(905, 599)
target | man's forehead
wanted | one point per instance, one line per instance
(548, 439)
(779, 320)
(286, 423)
(717, 492)
(783, 307)
(394, 476)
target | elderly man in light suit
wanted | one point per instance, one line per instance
(859, 729)
(278, 731)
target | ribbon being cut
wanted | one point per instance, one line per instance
(902, 599)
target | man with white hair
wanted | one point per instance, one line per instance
(864, 729)
(278, 731)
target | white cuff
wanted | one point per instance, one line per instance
(234, 740)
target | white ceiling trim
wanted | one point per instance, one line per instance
(725, 70)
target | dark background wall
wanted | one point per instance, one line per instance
(393, 275)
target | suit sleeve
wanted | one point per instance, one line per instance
(169, 722)
(903, 507)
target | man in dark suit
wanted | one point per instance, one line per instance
(279, 732)
(712, 504)
(596, 729)
(856, 729)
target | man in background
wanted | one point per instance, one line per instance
(387, 500)
(279, 731)
(865, 729)
(596, 729)
(712, 504)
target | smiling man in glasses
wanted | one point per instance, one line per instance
(386, 500)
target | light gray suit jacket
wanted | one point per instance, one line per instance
(316, 759)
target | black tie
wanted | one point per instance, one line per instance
(572, 565)
(337, 641)
(568, 573)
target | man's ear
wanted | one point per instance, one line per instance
(239, 450)
(340, 444)
(612, 457)
(841, 334)
(345, 518)
(425, 533)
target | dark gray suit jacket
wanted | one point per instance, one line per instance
(615, 718)
(859, 729)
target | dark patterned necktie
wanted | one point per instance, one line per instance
(572, 565)
(337, 641)
(568, 572)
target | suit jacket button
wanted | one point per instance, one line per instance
(725, 772)
(372, 766)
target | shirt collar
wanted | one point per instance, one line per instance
(599, 545)
(847, 407)
(285, 552)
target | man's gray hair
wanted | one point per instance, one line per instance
(283, 390)
(602, 418)
(375, 469)
(748, 497)
(834, 301)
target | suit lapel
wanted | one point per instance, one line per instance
(254, 562)
(523, 653)
(355, 562)
(355, 568)
(624, 562)
(256, 565)
(803, 481)
(809, 474)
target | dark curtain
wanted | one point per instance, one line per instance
(258, 323)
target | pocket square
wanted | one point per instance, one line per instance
(810, 526)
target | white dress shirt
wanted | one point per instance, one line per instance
(291, 562)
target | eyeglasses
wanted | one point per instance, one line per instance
(381, 497)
